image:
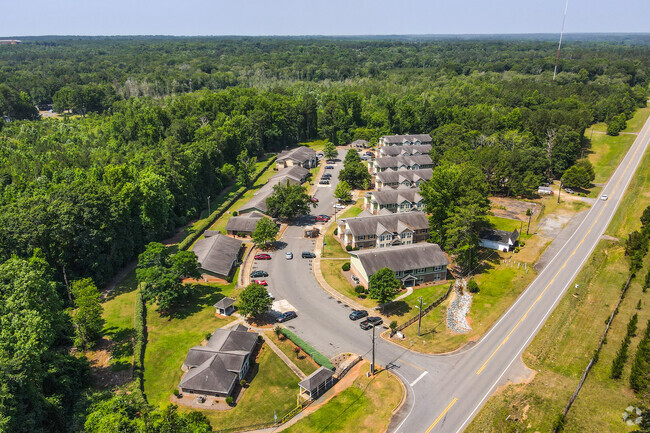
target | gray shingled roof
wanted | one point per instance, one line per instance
(295, 171)
(316, 379)
(394, 222)
(213, 375)
(397, 161)
(300, 154)
(232, 341)
(359, 143)
(387, 196)
(402, 258)
(501, 236)
(396, 139)
(423, 149)
(224, 302)
(244, 223)
(293, 175)
(217, 253)
(392, 176)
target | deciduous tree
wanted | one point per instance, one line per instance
(87, 314)
(383, 285)
(254, 300)
(265, 232)
(288, 201)
(343, 192)
(329, 151)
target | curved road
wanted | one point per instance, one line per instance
(444, 391)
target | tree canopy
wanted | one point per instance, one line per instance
(254, 300)
(265, 232)
(383, 285)
(288, 201)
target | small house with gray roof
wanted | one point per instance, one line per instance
(402, 178)
(302, 156)
(413, 264)
(218, 255)
(404, 140)
(294, 175)
(216, 368)
(381, 231)
(498, 239)
(243, 225)
(394, 200)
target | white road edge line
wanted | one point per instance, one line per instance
(412, 406)
(557, 299)
(418, 379)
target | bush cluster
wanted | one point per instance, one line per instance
(346, 266)
(139, 341)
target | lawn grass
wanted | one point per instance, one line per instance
(118, 315)
(564, 345)
(365, 406)
(331, 270)
(404, 309)
(332, 248)
(499, 285)
(606, 151)
(302, 361)
(509, 225)
(317, 145)
(274, 389)
(169, 338)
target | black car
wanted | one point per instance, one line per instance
(286, 316)
(308, 255)
(370, 322)
(258, 274)
(358, 314)
(324, 182)
(329, 167)
(326, 176)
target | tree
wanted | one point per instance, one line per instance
(343, 192)
(383, 285)
(579, 175)
(356, 175)
(254, 300)
(288, 201)
(245, 168)
(329, 151)
(161, 274)
(265, 232)
(463, 228)
(351, 156)
(87, 315)
(616, 124)
(228, 173)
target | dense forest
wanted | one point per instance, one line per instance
(152, 126)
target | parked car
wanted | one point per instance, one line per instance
(322, 218)
(289, 255)
(339, 206)
(369, 153)
(271, 295)
(371, 322)
(355, 278)
(286, 316)
(358, 314)
(603, 197)
(326, 175)
(329, 167)
(261, 282)
(331, 161)
(569, 190)
(308, 255)
(258, 274)
(324, 182)
(314, 200)
(262, 256)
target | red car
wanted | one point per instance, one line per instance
(314, 200)
(261, 282)
(323, 218)
(262, 257)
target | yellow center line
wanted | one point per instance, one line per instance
(444, 412)
(412, 365)
(480, 370)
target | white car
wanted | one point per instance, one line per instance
(603, 197)
(339, 206)
(289, 255)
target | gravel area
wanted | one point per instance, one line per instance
(459, 308)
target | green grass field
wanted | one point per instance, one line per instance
(302, 360)
(365, 406)
(273, 390)
(404, 309)
(119, 309)
(331, 270)
(169, 339)
(332, 247)
(317, 145)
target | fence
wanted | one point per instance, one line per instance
(560, 423)
(293, 412)
(437, 302)
(343, 372)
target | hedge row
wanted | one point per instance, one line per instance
(204, 224)
(139, 341)
(320, 359)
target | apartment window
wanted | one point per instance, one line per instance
(361, 238)
(438, 268)
(420, 271)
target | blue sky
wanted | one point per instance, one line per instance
(308, 17)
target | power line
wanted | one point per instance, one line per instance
(557, 56)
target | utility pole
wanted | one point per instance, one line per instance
(419, 315)
(209, 206)
(372, 365)
(559, 191)
(530, 215)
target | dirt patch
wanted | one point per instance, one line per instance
(512, 209)
(102, 373)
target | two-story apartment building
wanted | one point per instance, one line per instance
(416, 149)
(413, 264)
(383, 230)
(404, 140)
(402, 178)
(410, 162)
(394, 200)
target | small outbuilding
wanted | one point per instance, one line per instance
(314, 385)
(498, 239)
(225, 306)
(544, 190)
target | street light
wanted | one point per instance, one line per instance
(419, 315)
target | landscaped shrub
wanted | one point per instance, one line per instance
(348, 248)
(243, 383)
(313, 353)
(336, 231)
(346, 266)
(359, 289)
(229, 401)
(393, 326)
(177, 392)
(235, 213)
(472, 286)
